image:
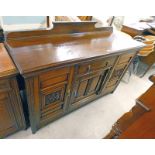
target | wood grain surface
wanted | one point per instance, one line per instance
(66, 43)
(7, 66)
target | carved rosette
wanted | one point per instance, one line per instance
(51, 98)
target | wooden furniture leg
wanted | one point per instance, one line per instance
(126, 120)
(140, 121)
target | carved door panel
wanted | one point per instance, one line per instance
(48, 95)
(87, 87)
(7, 118)
(52, 101)
(115, 78)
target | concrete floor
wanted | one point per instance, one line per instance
(95, 119)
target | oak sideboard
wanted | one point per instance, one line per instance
(11, 109)
(68, 66)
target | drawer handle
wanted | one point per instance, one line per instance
(107, 63)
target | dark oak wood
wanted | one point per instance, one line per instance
(126, 120)
(6, 65)
(138, 28)
(68, 66)
(139, 123)
(11, 112)
(148, 60)
(132, 30)
(48, 21)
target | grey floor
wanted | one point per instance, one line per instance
(95, 119)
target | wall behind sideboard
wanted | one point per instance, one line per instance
(14, 23)
(9, 20)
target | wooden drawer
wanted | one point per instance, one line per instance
(53, 73)
(53, 77)
(95, 65)
(125, 58)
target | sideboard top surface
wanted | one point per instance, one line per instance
(7, 67)
(40, 52)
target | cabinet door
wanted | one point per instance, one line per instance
(115, 79)
(54, 93)
(88, 87)
(8, 124)
(85, 86)
(48, 96)
(118, 72)
(53, 101)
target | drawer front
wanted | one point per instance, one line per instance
(95, 65)
(125, 58)
(53, 81)
(54, 73)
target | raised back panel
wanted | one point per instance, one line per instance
(61, 32)
(60, 28)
